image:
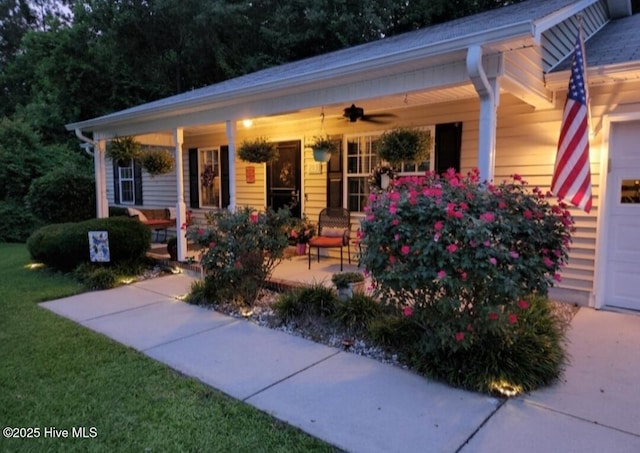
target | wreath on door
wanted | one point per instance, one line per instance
(207, 176)
(375, 179)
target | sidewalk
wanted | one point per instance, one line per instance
(361, 405)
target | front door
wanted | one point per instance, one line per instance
(283, 178)
(622, 270)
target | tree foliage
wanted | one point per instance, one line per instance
(116, 54)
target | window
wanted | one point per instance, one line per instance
(362, 159)
(209, 169)
(127, 182)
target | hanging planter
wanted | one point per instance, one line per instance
(123, 149)
(258, 151)
(322, 149)
(157, 161)
(404, 145)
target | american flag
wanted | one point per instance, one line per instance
(572, 174)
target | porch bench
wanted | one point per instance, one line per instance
(158, 219)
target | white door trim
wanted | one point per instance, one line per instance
(627, 112)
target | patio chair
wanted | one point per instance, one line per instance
(334, 228)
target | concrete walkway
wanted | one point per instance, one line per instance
(361, 405)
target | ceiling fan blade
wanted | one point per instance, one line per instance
(373, 120)
(377, 118)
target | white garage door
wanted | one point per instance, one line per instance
(622, 270)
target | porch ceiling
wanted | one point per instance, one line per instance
(333, 112)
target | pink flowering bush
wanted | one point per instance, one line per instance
(465, 256)
(241, 249)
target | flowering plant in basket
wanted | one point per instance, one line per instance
(302, 231)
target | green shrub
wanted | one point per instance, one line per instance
(460, 258)
(24, 158)
(306, 303)
(17, 222)
(65, 246)
(393, 331)
(207, 293)
(358, 312)
(502, 362)
(63, 195)
(242, 249)
(96, 277)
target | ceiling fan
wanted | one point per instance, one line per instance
(354, 114)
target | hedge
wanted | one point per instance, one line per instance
(66, 245)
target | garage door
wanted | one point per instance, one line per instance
(622, 270)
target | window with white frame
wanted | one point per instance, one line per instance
(362, 158)
(126, 181)
(209, 168)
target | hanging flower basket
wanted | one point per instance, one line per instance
(157, 161)
(322, 149)
(404, 145)
(123, 149)
(258, 151)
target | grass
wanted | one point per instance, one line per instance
(55, 373)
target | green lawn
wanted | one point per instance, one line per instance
(54, 373)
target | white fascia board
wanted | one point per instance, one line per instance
(599, 75)
(286, 84)
(544, 24)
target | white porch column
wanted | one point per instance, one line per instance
(489, 92)
(231, 137)
(100, 170)
(181, 212)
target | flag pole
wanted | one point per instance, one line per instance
(571, 178)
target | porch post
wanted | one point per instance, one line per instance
(181, 213)
(231, 137)
(489, 92)
(100, 170)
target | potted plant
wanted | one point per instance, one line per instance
(157, 161)
(322, 148)
(348, 282)
(123, 149)
(302, 231)
(258, 151)
(404, 145)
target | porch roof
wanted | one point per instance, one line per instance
(613, 50)
(336, 76)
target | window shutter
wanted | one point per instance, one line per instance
(194, 179)
(137, 182)
(224, 174)
(116, 182)
(448, 146)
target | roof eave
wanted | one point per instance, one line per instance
(514, 31)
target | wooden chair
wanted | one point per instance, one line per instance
(334, 228)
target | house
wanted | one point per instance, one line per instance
(489, 88)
